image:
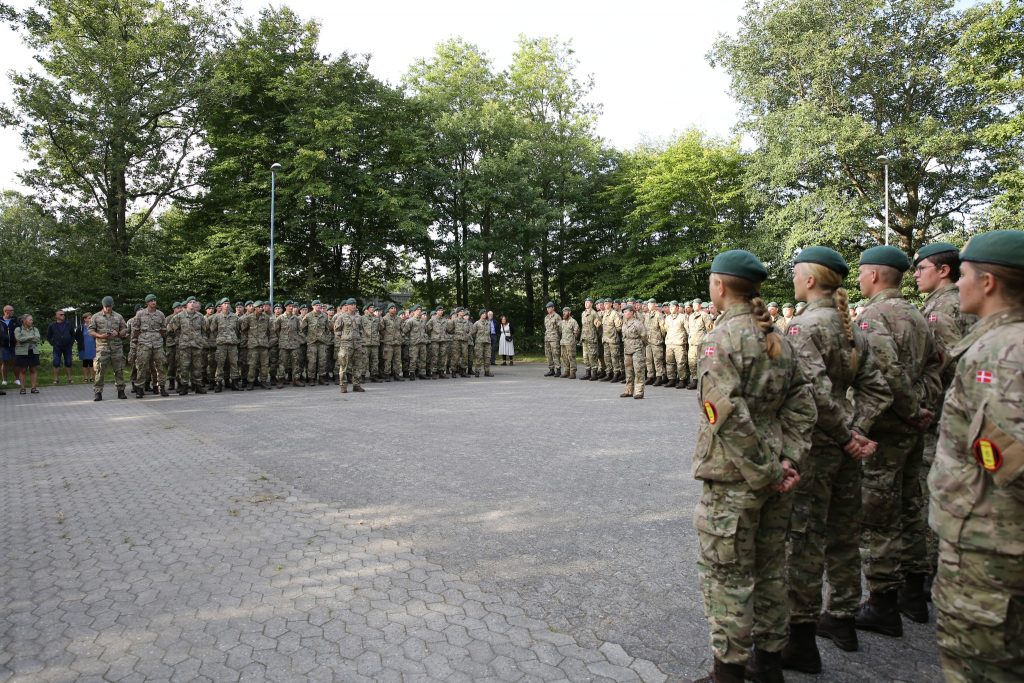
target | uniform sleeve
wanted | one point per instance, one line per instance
(831, 415)
(871, 394)
(798, 416)
(930, 384)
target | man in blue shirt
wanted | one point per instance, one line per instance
(61, 335)
(494, 336)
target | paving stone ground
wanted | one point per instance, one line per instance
(514, 528)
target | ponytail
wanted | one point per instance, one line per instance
(773, 344)
(841, 301)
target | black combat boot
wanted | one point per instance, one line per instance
(912, 598)
(692, 385)
(250, 386)
(170, 383)
(201, 389)
(234, 385)
(219, 388)
(801, 652)
(840, 630)
(880, 613)
(358, 388)
(121, 394)
(651, 380)
(723, 673)
(182, 389)
(140, 392)
(97, 397)
(399, 378)
(765, 667)
(550, 372)
(586, 376)
(163, 391)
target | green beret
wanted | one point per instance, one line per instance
(317, 302)
(696, 301)
(482, 311)
(417, 307)
(350, 301)
(550, 304)
(138, 307)
(176, 304)
(673, 303)
(787, 305)
(772, 304)
(933, 249)
(239, 304)
(885, 255)
(652, 301)
(616, 301)
(999, 247)
(250, 302)
(566, 308)
(223, 301)
(190, 299)
(741, 264)
(257, 303)
(627, 307)
(108, 301)
(150, 297)
(823, 256)
(588, 299)
(390, 306)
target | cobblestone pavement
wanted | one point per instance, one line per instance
(514, 528)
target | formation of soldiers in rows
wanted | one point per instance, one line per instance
(249, 345)
(821, 461)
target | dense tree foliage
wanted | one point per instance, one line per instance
(152, 127)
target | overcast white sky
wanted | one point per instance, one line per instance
(647, 58)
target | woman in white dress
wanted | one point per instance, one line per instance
(506, 349)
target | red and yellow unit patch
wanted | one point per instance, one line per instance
(988, 454)
(711, 412)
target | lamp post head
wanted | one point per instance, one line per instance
(883, 158)
(275, 167)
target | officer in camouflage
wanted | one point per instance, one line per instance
(977, 491)
(315, 326)
(568, 338)
(655, 328)
(633, 334)
(224, 330)
(552, 350)
(348, 339)
(108, 328)
(758, 413)
(676, 324)
(698, 324)
(482, 344)
(149, 329)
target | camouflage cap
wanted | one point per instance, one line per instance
(885, 255)
(239, 304)
(999, 247)
(150, 297)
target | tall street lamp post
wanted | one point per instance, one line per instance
(273, 170)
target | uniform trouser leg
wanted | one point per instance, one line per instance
(106, 356)
(273, 357)
(227, 362)
(360, 366)
(630, 374)
(927, 458)
(414, 363)
(389, 361)
(551, 353)
(259, 364)
(655, 360)
(823, 536)
(568, 359)
(589, 356)
(649, 360)
(373, 360)
(396, 359)
(464, 358)
(148, 359)
(979, 603)
(300, 360)
(316, 360)
(287, 360)
(483, 357)
(617, 357)
(742, 572)
(691, 359)
(893, 535)
(639, 362)
(433, 366)
(346, 353)
(675, 362)
(191, 361)
(446, 356)
(133, 354)
(243, 361)
(606, 358)
(211, 363)
(172, 361)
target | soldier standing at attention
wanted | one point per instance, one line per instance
(108, 328)
(482, 332)
(133, 371)
(698, 325)
(588, 335)
(936, 270)
(348, 339)
(373, 342)
(391, 336)
(171, 343)
(315, 326)
(675, 346)
(824, 529)
(569, 337)
(633, 349)
(655, 352)
(551, 346)
(149, 326)
(611, 328)
(758, 416)
(241, 310)
(191, 328)
(419, 338)
(893, 534)
(977, 492)
(286, 330)
(224, 330)
(257, 332)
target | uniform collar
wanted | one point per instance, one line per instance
(742, 308)
(941, 292)
(891, 293)
(986, 325)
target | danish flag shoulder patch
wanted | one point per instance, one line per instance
(710, 351)
(933, 318)
(983, 376)
(864, 325)
(793, 330)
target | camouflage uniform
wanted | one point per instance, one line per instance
(108, 351)
(825, 525)
(286, 331)
(419, 338)
(675, 348)
(171, 344)
(438, 356)
(410, 340)
(191, 328)
(611, 325)
(316, 328)
(633, 333)
(149, 328)
(655, 352)
(977, 506)
(258, 334)
(210, 353)
(757, 412)
(552, 351)
(588, 335)
(893, 538)
(133, 349)
(697, 325)
(482, 344)
(391, 337)
(224, 330)
(376, 347)
(569, 335)
(348, 339)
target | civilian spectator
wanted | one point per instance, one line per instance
(86, 349)
(26, 352)
(61, 335)
(494, 336)
(7, 343)
(505, 346)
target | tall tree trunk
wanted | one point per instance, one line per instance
(485, 256)
(531, 302)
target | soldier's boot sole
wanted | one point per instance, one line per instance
(250, 387)
(572, 375)
(637, 397)
(801, 651)
(723, 673)
(121, 394)
(358, 389)
(201, 390)
(912, 599)
(488, 374)
(880, 614)
(764, 667)
(840, 630)
(625, 394)
(565, 375)
(97, 397)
